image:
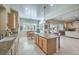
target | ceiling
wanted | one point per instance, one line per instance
(34, 11)
(64, 12)
(57, 11)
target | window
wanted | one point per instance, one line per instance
(28, 27)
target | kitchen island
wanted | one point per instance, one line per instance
(48, 43)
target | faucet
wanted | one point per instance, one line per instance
(1, 36)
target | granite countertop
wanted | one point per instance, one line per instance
(6, 43)
(47, 36)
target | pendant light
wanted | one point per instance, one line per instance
(44, 20)
(44, 13)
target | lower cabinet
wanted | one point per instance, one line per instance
(51, 46)
(36, 39)
(44, 45)
(47, 45)
(40, 42)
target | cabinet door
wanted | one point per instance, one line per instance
(40, 42)
(45, 45)
(37, 40)
(11, 21)
(51, 46)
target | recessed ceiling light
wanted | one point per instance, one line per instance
(75, 15)
(26, 8)
(51, 5)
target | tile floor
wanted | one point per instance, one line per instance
(27, 47)
(68, 46)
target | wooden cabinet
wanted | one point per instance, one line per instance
(40, 42)
(68, 26)
(51, 46)
(13, 20)
(8, 20)
(36, 39)
(47, 45)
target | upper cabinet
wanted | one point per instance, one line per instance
(8, 19)
(69, 26)
(13, 20)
